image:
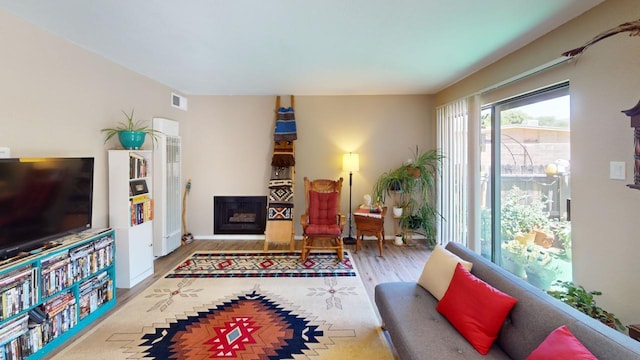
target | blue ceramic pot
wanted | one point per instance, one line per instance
(131, 140)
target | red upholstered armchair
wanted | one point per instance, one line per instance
(322, 221)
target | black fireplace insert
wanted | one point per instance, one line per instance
(239, 215)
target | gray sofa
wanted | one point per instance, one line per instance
(418, 331)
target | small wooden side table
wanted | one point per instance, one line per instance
(634, 331)
(368, 223)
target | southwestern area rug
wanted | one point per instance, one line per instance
(244, 264)
(243, 306)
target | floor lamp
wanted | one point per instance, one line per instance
(350, 163)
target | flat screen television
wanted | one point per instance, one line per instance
(42, 199)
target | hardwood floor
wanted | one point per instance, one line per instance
(399, 263)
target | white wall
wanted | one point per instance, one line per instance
(604, 81)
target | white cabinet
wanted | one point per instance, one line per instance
(131, 214)
(167, 188)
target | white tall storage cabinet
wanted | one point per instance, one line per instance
(131, 214)
(167, 186)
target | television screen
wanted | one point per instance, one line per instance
(42, 199)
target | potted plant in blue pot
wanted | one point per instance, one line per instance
(131, 133)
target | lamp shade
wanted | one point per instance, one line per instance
(350, 162)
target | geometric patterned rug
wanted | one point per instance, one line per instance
(260, 264)
(327, 317)
(249, 324)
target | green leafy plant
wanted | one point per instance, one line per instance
(578, 297)
(562, 231)
(422, 222)
(521, 214)
(413, 188)
(424, 167)
(130, 125)
(390, 184)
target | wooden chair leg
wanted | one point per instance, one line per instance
(303, 256)
(340, 248)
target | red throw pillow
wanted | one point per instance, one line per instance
(476, 309)
(561, 344)
(323, 207)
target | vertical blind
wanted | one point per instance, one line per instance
(452, 132)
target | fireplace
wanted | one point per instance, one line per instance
(239, 215)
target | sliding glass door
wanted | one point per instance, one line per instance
(525, 193)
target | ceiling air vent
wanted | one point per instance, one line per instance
(178, 101)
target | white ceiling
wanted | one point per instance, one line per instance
(301, 47)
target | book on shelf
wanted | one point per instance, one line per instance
(109, 289)
(138, 199)
(10, 304)
(85, 310)
(103, 242)
(93, 301)
(58, 303)
(137, 166)
(62, 264)
(59, 319)
(81, 251)
(53, 259)
(15, 275)
(16, 299)
(141, 211)
(95, 292)
(20, 294)
(32, 339)
(57, 276)
(81, 268)
(104, 257)
(14, 328)
(24, 345)
(136, 156)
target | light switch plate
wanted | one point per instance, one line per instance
(5, 152)
(617, 170)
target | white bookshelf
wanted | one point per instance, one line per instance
(131, 214)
